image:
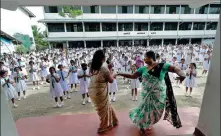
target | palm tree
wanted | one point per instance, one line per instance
(39, 37)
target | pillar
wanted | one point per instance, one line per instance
(176, 41)
(190, 41)
(117, 43)
(209, 118)
(163, 26)
(148, 42)
(8, 129)
(162, 42)
(100, 27)
(65, 28)
(102, 44)
(192, 26)
(85, 46)
(132, 42)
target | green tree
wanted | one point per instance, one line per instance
(25, 39)
(21, 49)
(39, 38)
(69, 11)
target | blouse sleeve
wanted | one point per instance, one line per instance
(140, 70)
(166, 67)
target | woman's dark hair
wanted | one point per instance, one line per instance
(151, 54)
(18, 68)
(157, 56)
(83, 65)
(97, 60)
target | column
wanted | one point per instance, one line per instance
(85, 46)
(148, 42)
(132, 42)
(192, 26)
(49, 45)
(99, 9)
(100, 27)
(162, 42)
(190, 41)
(117, 43)
(133, 26)
(65, 28)
(102, 44)
(176, 41)
(209, 118)
(133, 9)
(163, 26)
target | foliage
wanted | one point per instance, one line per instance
(25, 39)
(69, 11)
(21, 49)
(39, 38)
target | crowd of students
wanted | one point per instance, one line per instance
(64, 70)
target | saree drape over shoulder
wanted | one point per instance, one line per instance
(98, 91)
(156, 95)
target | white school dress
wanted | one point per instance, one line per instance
(44, 69)
(135, 83)
(206, 62)
(183, 66)
(124, 66)
(73, 79)
(33, 76)
(201, 55)
(112, 87)
(8, 89)
(179, 55)
(63, 82)
(55, 87)
(23, 67)
(20, 83)
(84, 82)
(190, 81)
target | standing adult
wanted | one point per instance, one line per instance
(98, 91)
(156, 95)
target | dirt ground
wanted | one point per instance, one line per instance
(39, 103)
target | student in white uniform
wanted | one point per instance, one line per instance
(83, 76)
(73, 79)
(33, 76)
(6, 86)
(183, 66)
(44, 65)
(135, 84)
(190, 81)
(55, 87)
(206, 63)
(112, 87)
(19, 79)
(63, 82)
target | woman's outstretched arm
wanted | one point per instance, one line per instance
(131, 76)
(178, 71)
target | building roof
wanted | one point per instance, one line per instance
(7, 36)
(27, 11)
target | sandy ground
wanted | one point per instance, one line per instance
(39, 103)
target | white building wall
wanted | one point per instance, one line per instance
(16, 22)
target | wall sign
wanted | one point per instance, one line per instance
(128, 33)
(153, 33)
(141, 33)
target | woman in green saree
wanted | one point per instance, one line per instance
(156, 94)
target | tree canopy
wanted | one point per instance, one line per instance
(39, 38)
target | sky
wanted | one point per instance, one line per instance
(16, 22)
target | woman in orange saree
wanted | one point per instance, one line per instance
(98, 92)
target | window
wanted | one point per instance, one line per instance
(125, 9)
(76, 44)
(185, 26)
(196, 41)
(185, 9)
(202, 10)
(56, 27)
(125, 42)
(183, 41)
(157, 9)
(214, 9)
(109, 43)
(172, 9)
(92, 27)
(109, 27)
(74, 27)
(140, 42)
(156, 27)
(211, 26)
(169, 41)
(141, 27)
(171, 26)
(198, 26)
(125, 26)
(108, 9)
(90, 9)
(51, 9)
(93, 44)
(142, 9)
(155, 42)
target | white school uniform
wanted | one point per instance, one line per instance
(33, 76)
(84, 82)
(73, 79)
(112, 87)
(135, 83)
(63, 82)
(55, 87)
(206, 62)
(20, 83)
(179, 55)
(8, 89)
(201, 55)
(190, 81)
(183, 66)
(44, 69)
